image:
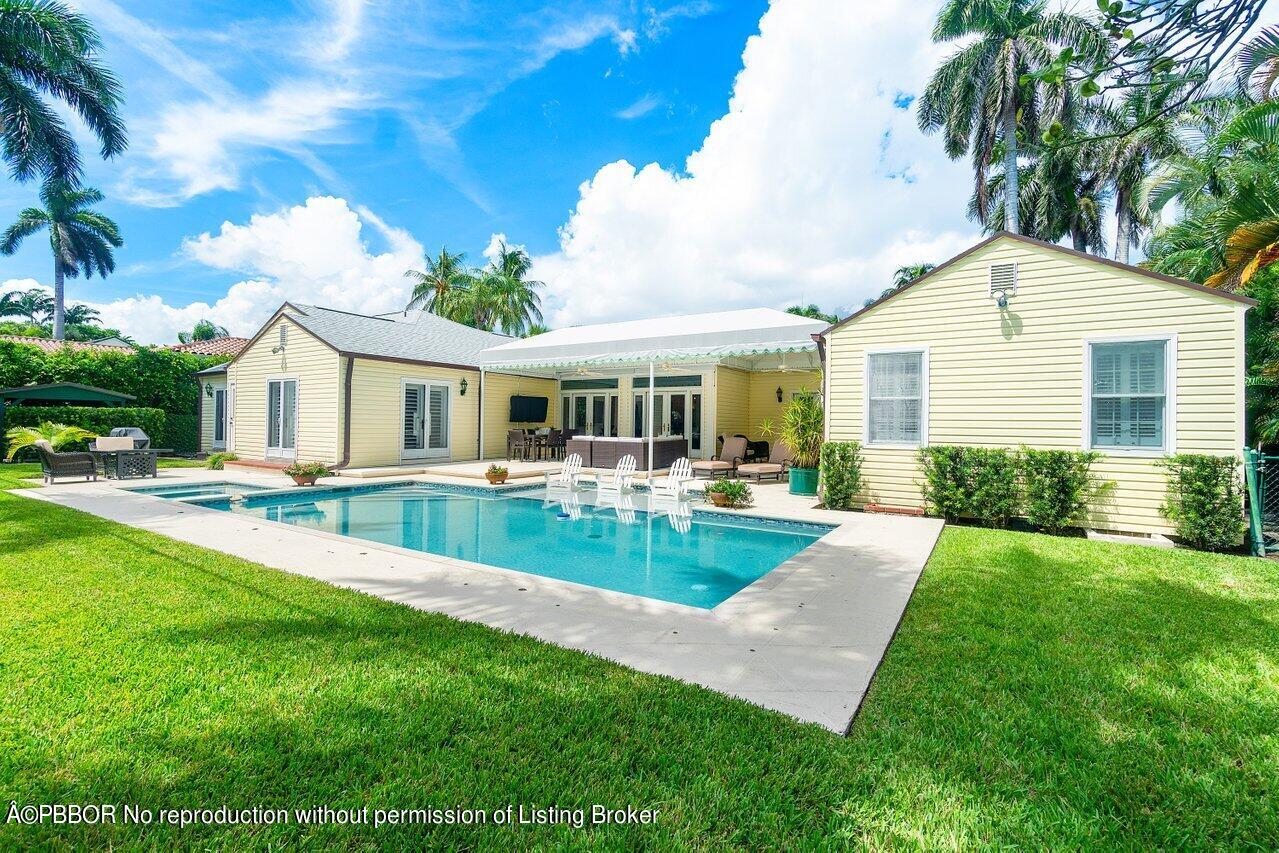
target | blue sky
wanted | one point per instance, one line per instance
(452, 123)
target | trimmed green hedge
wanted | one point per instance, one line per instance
(1205, 500)
(97, 419)
(841, 473)
(156, 378)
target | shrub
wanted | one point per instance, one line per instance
(216, 461)
(841, 473)
(99, 420)
(59, 436)
(737, 493)
(1058, 487)
(1205, 500)
(972, 482)
(800, 429)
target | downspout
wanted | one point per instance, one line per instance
(199, 416)
(479, 439)
(346, 417)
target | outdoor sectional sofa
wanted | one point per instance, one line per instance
(606, 452)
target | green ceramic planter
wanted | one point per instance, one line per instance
(803, 481)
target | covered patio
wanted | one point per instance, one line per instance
(670, 386)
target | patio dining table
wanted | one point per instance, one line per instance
(127, 464)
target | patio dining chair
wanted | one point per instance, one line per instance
(517, 444)
(567, 476)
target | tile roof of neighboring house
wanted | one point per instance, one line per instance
(50, 345)
(217, 346)
(412, 336)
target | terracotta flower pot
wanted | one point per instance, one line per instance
(718, 498)
(496, 479)
(305, 479)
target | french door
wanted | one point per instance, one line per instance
(426, 421)
(219, 418)
(230, 416)
(282, 418)
(675, 413)
(590, 414)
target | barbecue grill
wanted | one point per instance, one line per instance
(141, 441)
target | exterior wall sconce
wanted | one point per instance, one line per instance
(461, 386)
(779, 393)
(208, 389)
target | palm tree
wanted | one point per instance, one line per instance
(812, 312)
(58, 435)
(82, 239)
(1060, 194)
(905, 275)
(205, 330)
(82, 315)
(35, 304)
(49, 50)
(500, 296)
(536, 329)
(10, 304)
(986, 93)
(444, 273)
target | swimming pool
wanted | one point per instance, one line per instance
(178, 491)
(689, 557)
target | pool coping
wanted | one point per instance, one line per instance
(803, 639)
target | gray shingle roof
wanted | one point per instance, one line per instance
(417, 337)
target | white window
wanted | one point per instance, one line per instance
(1129, 406)
(897, 397)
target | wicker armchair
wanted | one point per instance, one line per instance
(55, 464)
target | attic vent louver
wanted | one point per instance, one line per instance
(1003, 283)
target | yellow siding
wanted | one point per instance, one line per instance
(732, 402)
(315, 366)
(498, 390)
(377, 418)
(763, 394)
(208, 409)
(1003, 380)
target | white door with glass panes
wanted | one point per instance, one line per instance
(219, 418)
(425, 422)
(282, 418)
(590, 413)
(675, 414)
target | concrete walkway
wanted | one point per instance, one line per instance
(804, 639)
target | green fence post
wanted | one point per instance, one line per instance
(1256, 483)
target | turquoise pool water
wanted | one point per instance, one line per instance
(197, 490)
(699, 561)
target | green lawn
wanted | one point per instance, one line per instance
(1040, 692)
(26, 475)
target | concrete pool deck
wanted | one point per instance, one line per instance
(804, 639)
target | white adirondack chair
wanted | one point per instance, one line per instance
(675, 483)
(622, 477)
(567, 476)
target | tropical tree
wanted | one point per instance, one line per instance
(10, 304)
(82, 315)
(501, 295)
(987, 93)
(813, 312)
(903, 276)
(36, 304)
(58, 435)
(433, 286)
(82, 239)
(49, 52)
(536, 329)
(1061, 194)
(205, 330)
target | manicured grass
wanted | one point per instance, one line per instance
(1040, 692)
(26, 475)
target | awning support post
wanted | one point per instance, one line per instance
(650, 417)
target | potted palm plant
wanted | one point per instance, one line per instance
(306, 473)
(800, 428)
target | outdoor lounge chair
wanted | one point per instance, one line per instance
(566, 477)
(55, 464)
(621, 479)
(779, 462)
(730, 456)
(675, 483)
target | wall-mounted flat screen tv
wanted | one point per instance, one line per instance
(528, 410)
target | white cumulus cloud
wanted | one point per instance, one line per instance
(312, 253)
(813, 187)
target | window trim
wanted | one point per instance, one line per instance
(1170, 395)
(923, 351)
